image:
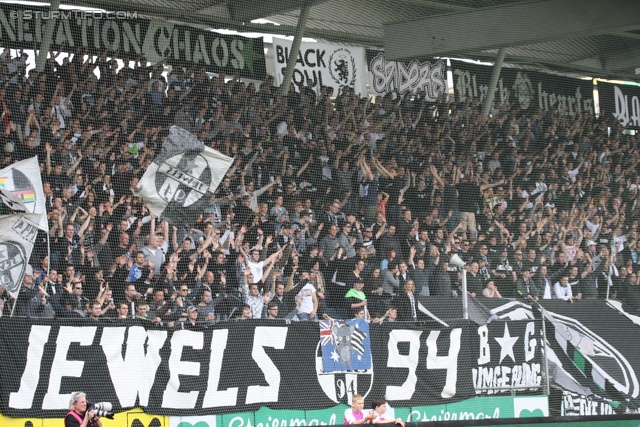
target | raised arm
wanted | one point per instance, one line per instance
(434, 172)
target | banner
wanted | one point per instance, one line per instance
(325, 64)
(241, 366)
(96, 31)
(528, 89)
(23, 180)
(18, 233)
(471, 409)
(387, 76)
(622, 102)
(180, 182)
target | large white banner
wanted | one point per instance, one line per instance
(387, 76)
(325, 64)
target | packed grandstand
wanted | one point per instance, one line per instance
(174, 199)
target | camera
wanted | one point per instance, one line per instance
(101, 409)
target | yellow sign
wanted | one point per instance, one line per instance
(132, 418)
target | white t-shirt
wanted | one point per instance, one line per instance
(305, 296)
(256, 270)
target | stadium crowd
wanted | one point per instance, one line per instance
(336, 204)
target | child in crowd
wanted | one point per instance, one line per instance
(379, 406)
(354, 415)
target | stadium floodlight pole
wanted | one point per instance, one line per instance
(493, 84)
(47, 35)
(295, 47)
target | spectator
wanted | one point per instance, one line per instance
(474, 282)
(471, 191)
(562, 289)
(206, 308)
(440, 281)
(526, 287)
(252, 296)
(355, 298)
(28, 292)
(123, 311)
(420, 273)
(95, 310)
(153, 254)
(491, 291)
(407, 303)
(272, 310)
(307, 303)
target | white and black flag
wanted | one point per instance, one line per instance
(180, 182)
(11, 203)
(23, 180)
(17, 235)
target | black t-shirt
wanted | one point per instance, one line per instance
(468, 195)
(71, 421)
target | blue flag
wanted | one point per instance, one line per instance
(346, 345)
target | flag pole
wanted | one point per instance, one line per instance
(14, 305)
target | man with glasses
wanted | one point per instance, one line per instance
(346, 241)
(463, 249)
(181, 298)
(75, 289)
(272, 310)
(368, 241)
(333, 216)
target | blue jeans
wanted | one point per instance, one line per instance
(305, 316)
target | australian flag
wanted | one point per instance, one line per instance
(345, 345)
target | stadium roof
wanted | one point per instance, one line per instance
(585, 37)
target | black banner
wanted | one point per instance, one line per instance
(620, 102)
(241, 366)
(96, 31)
(529, 89)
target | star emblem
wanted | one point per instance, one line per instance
(334, 356)
(249, 55)
(191, 164)
(359, 358)
(506, 344)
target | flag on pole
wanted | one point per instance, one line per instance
(11, 203)
(180, 182)
(17, 235)
(23, 180)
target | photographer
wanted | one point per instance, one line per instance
(78, 415)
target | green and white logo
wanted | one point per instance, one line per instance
(527, 407)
